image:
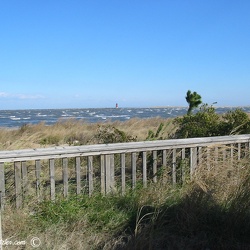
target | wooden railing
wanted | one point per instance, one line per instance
(60, 171)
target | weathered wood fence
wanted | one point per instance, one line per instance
(46, 173)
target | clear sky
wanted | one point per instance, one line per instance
(137, 53)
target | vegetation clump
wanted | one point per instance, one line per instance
(157, 135)
(110, 134)
(235, 122)
(206, 122)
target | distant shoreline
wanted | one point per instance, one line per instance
(150, 107)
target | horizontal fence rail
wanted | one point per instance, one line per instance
(46, 173)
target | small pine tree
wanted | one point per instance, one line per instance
(194, 100)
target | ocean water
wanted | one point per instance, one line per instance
(17, 118)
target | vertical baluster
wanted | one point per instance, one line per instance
(164, 157)
(232, 154)
(239, 151)
(174, 166)
(208, 159)
(52, 179)
(107, 173)
(216, 156)
(102, 174)
(18, 184)
(78, 175)
(183, 165)
(123, 173)
(2, 186)
(90, 174)
(154, 166)
(193, 161)
(112, 172)
(24, 178)
(65, 177)
(133, 170)
(200, 156)
(38, 181)
(239, 156)
(144, 168)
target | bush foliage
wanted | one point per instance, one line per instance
(206, 122)
(110, 134)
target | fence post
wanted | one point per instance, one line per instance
(144, 163)
(65, 177)
(239, 151)
(232, 154)
(183, 165)
(52, 179)
(174, 166)
(112, 172)
(107, 173)
(102, 160)
(18, 184)
(90, 174)
(164, 157)
(154, 166)
(38, 181)
(123, 173)
(133, 170)
(78, 174)
(193, 161)
(2, 185)
(24, 178)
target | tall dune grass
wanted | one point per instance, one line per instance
(210, 212)
(74, 132)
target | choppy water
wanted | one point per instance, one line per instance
(17, 118)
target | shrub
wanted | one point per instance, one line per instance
(110, 134)
(206, 123)
(50, 139)
(235, 122)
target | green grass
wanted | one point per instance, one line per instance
(158, 217)
(108, 213)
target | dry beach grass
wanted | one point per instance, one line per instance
(70, 131)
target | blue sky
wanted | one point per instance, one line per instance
(140, 53)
